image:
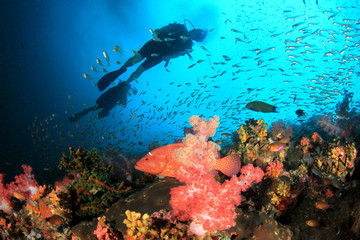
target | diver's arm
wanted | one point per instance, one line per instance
(191, 58)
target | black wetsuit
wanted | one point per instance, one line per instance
(172, 41)
(157, 51)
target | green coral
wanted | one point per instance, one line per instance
(92, 192)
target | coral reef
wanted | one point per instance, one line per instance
(257, 146)
(310, 183)
(137, 225)
(122, 165)
(24, 187)
(330, 159)
(92, 192)
(104, 231)
(330, 125)
(47, 212)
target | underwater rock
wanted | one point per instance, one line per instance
(151, 199)
(257, 226)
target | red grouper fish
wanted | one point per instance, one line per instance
(161, 161)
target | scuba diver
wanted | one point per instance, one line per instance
(114, 96)
(168, 42)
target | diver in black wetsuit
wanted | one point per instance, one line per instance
(114, 96)
(168, 42)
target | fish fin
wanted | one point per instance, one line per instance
(277, 109)
(108, 78)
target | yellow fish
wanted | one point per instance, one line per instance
(276, 146)
(106, 56)
(118, 49)
(93, 69)
(87, 76)
(99, 62)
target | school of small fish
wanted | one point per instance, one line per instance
(313, 54)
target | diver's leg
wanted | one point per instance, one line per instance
(77, 116)
(108, 78)
(147, 64)
(136, 74)
(132, 61)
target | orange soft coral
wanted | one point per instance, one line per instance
(274, 169)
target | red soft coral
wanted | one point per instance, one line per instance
(207, 202)
(24, 184)
(104, 231)
(5, 204)
(274, 169)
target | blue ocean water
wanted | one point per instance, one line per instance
(270, 51)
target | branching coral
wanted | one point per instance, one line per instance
(330, 125)
(242, 134)
(91, 189)
(137, 225)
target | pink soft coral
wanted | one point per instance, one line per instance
(24, 184)
(104, 231)
(5, 204)
(197, 147)
(209, 204)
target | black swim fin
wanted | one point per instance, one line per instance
(77, 116)
(108, 78)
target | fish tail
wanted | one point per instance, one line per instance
(277, 109)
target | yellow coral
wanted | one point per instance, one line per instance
(283, 189)
(338, 152)
(275, 199)
(302, 170)
(137, 225)
(260, 121)
(54, 198)
(262, 134)
(242, 134)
